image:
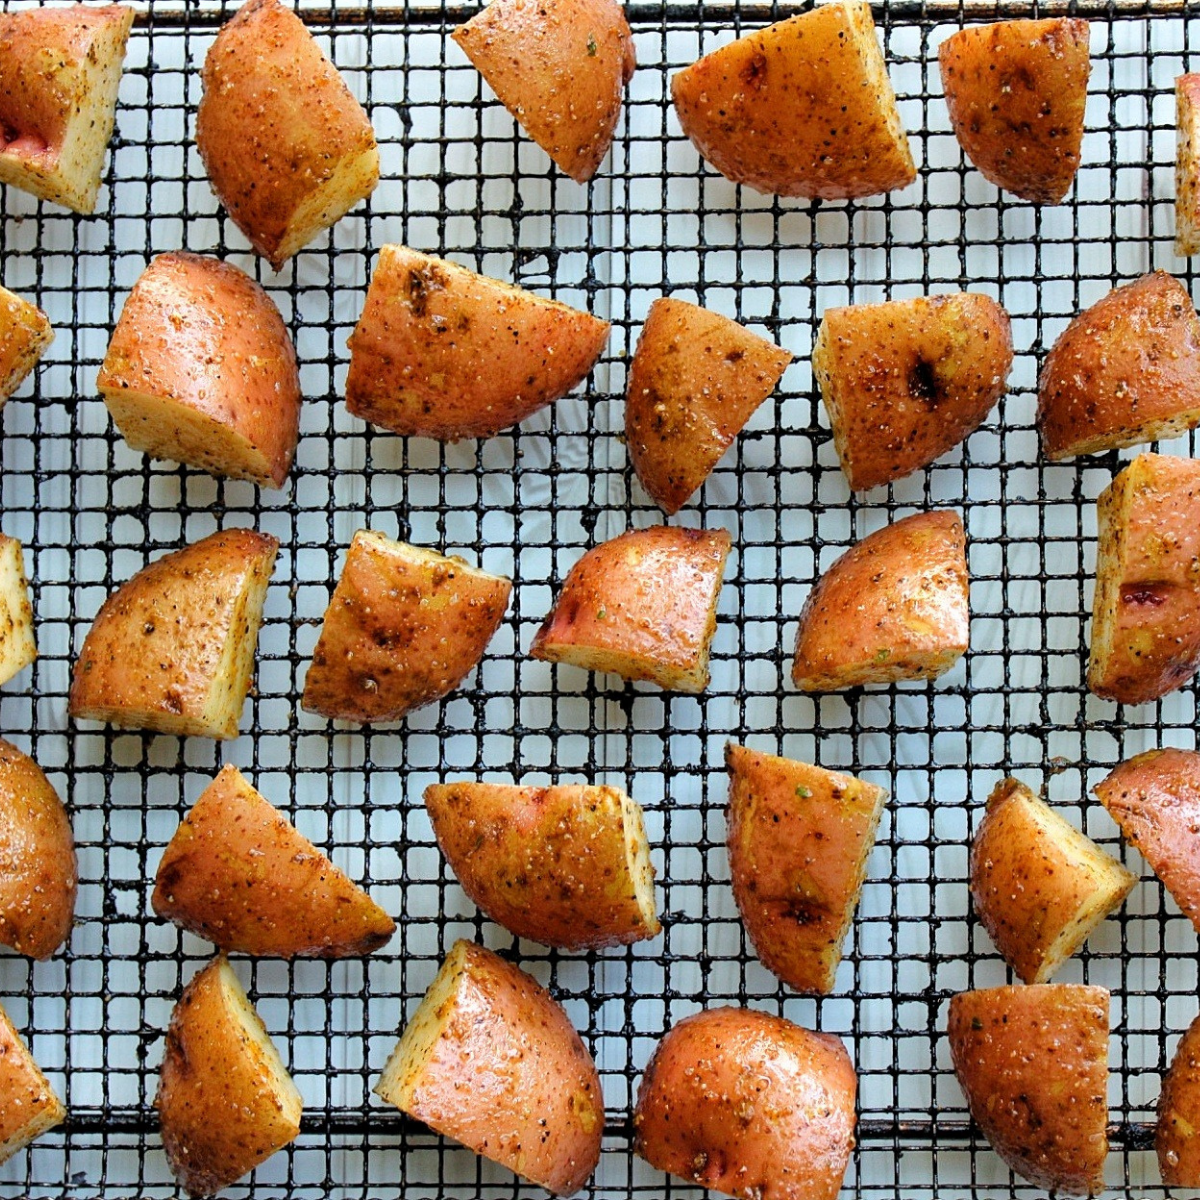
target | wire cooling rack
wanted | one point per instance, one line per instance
(460, 180)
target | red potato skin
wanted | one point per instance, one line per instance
(749, 1105)
(512, 1047)
(1155, 799)
(1124, 371)
(39, 876)
(441, 352)
(1177, 1138)
(238, 873)
(643, 605)
(695, 380)
(204, 334)
(894, 606)
(1016, 91)
(797, 109)
(559, 66)
(275, 120)
(907, 380)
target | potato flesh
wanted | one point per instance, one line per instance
(28, 1105)
(18, 647)
(1187, 165)
(24, 335)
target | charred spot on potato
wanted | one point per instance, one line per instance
(423, 282)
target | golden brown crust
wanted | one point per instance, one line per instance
(749, 1105)
(803, 107)
(201, 339)
(695, 380)
(907, 380)
(404, 627)
(1033, 1062)
(1126, 370)
(1146, 612)
(642, 606)
(1016, 91)
(287, 148)
(799, 839)
(559, 66)
(1155, 799)
(24, 335)
(18, 645)
(238, 873)
(894, 606)
(444, 353)
(491, 1060)
(28, 1105)
(566, 866)
(172, 649)
(1177, 1138)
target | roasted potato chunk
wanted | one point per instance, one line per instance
(173, 648)
(559, 66)
(1040, 886)
(491, 1060)
(1017, 91)
(907, 380)
(18, 648)
(803, 107)
(288, 149)
(1125, 371)
(1155, 799)
(695, 380)
(1146, 611)
(24, 333)
(28, 1105)
(1033, 1063)
(201, 370)
(61, 69)
(1187, 165)
(1177, 1138)
(799, 840)
(441, 352)
(39, 877)
(225, 1100)
(893, 607)
(642, 606)
(240, 874)
(749, 1105)
(567, 866)
(404, 627)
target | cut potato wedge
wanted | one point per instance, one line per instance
(1177, 1139)
(1125, 371)
(1033, 1062)
(18, 648)
(404, 627)
(1017, 91)
(802, 108)
(238, 873)
(559, 66)
(441, 352)
(1146, 611)
(907, 380)
(288, 149)
(695, 380)
(895, 606)
(1040, 886)
(567, 866)
(1187, 165)
(749, 1105)
(1155, 799)
(642, 606)
(28, 1105)
(172, 650)
(799, 840)
(24, 335)
(491, 1060)
(225, 1100)
(39, 876)
(61, 69)
(201, 370)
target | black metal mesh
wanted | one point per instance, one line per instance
(460, 180)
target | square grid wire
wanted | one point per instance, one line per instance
(460, 180)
